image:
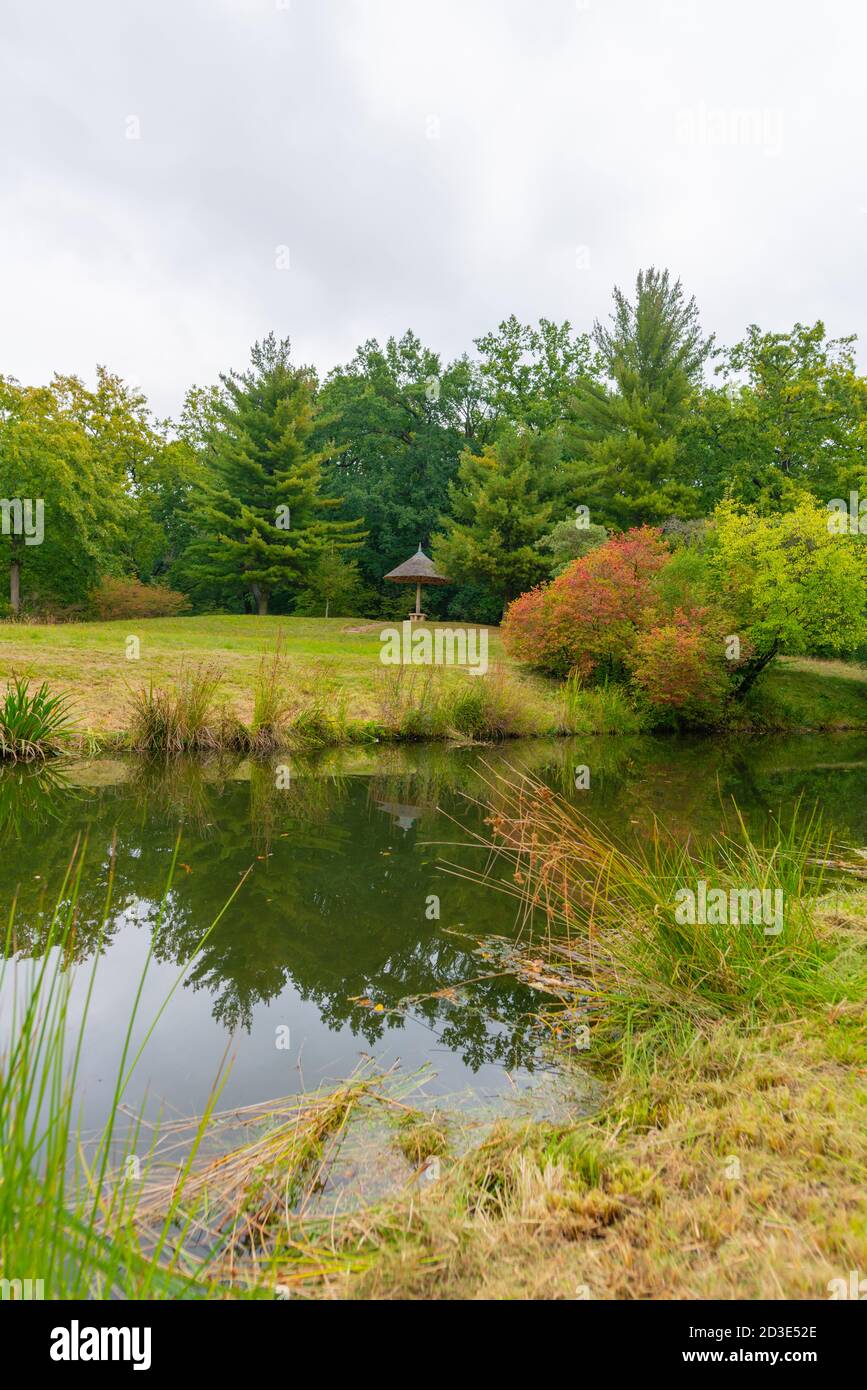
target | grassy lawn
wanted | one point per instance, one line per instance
(801, 692)
(88, 662)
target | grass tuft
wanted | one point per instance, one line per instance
(32, 722)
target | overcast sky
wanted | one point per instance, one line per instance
(177, 177)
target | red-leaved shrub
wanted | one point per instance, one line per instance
(680, 667)
(129, 598)
(587, 619)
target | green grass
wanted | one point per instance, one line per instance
(65, 1210)
(803, 693)
(87, 664)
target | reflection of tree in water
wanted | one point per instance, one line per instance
(334, 907)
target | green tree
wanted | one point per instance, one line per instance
(259, 523)
(59, 506)
(396, 421)
(333, 589)
(791, 584)
(567, 542)
(501, 505)
(790, 412)
(625, 433)
(152, 474)
(529, 374)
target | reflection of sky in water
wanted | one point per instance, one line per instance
(343, 864)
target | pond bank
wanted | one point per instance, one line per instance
(287, 683)
(730, 1165)
(330, 941)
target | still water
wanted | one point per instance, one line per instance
(343, 864)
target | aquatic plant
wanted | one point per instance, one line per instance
(180, 719)
(66, 1205)
(32, 722)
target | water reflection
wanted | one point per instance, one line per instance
(345, 853)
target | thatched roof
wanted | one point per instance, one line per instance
(419, 569)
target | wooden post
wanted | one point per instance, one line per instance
(418, 598)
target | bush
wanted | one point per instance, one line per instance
(679, 667)
(128, 598)
(631, 613)
(587, 618)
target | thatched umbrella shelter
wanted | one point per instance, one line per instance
(418, 569)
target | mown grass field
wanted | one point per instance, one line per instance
(89, 663)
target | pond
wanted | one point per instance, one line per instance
(332, 950)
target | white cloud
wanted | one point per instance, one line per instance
(429, 165)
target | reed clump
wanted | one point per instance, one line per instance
(597, 709)
(33, 721)
(610, 916)
(429, 702)
(290, 709)
(182, 718)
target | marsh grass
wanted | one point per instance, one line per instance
(430, 702)
(597, 709)
(33, 722)
(242, 1205)
(271, 704)
(67, 1201)
(182, 718)
(317, 705)
(421, 1136)
(604, 913)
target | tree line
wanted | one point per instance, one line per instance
(278, 491)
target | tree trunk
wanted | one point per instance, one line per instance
(15, 587)
(261, 597)
(754, 668)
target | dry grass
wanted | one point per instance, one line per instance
(735, 1172)
(231, 1211)
(843, 670)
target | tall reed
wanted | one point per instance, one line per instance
(179, 719)
(609, 914)
(66, 1205)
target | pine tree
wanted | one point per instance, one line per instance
(625, 435)
(260, 528)
(501, 503)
